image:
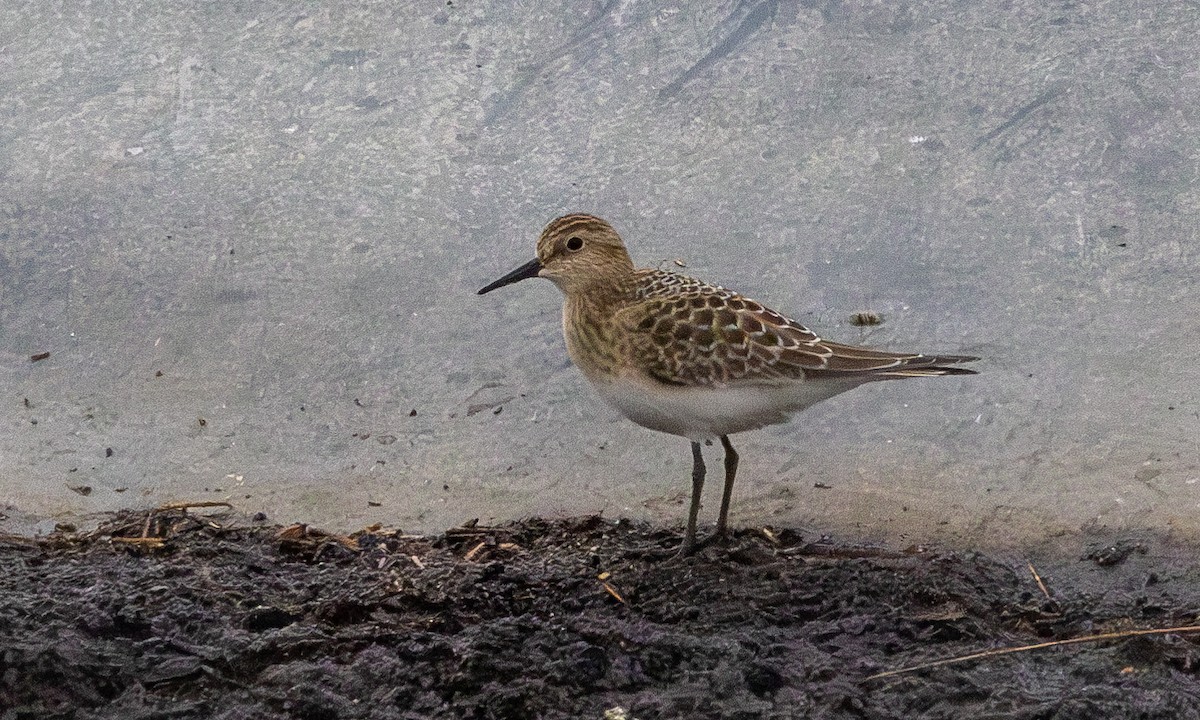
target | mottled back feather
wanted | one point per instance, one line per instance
(682, 331)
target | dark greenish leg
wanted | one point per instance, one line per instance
(689, 535)
(731, 463)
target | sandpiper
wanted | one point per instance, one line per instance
(680, 356)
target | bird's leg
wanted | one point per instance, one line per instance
(731, 463)
(689, 535)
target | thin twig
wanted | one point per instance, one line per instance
(1036, 646)
(474, 551)
(613, 591)
(1038, 578)
(150, 542)
(185, 504)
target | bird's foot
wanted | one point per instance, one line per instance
(687, 548)
(721, 536)
(650, 551)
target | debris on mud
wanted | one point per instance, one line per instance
(170, 613)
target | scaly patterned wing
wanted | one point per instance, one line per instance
(682, 331)
(686, 332)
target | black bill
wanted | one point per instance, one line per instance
(526, 271)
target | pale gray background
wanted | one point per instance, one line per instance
(286, 208)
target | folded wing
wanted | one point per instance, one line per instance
(686, 332)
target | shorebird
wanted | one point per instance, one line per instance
(680, 356)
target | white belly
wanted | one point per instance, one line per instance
(708, 413)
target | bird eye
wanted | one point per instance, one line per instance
(574, 243)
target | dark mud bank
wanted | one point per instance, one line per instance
(171, 615)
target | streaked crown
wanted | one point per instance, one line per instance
(579, 250)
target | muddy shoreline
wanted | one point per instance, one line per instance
(184, 615)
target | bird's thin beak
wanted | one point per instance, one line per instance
(526, 271)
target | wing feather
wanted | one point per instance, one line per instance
(682, 331)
